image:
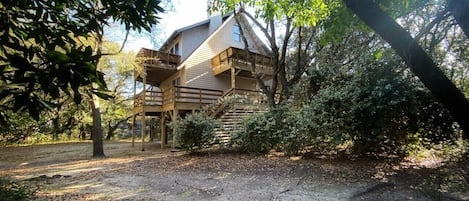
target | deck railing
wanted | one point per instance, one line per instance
(255, 96)
(155, 58)
(178, 94)
(252, 96)
(242, 59)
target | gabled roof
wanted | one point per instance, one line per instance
(176, 33)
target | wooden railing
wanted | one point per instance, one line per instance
(178, 94)
(151, 98)
(252, 96)
(241, 59)
(155, 58)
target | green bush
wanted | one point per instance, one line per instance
(195, 132)
(258, 134)
(14, 191)
(379, 109)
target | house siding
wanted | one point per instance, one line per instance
(198, 66)
(192, 39)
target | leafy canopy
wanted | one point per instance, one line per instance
(302, 12)
(42, 52)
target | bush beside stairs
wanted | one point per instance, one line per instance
(232, 119)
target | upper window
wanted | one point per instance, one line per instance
(176, 49)
(236, 33)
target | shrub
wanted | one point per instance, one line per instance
(11, 190)
(378, 108)
(195, 132)
(258, 134)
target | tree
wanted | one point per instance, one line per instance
(42, 53)
(118, 71)
(418, 60)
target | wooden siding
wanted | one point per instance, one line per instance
(191, 39)
(199, 66)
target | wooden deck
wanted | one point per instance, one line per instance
(156, 65)
(241, 60)
(177, 97)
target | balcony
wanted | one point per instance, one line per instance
(242, 61)
(177, 97)
(157, 65)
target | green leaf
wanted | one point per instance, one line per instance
(102, 94)
(378, 54)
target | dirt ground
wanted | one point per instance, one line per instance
(67, 172)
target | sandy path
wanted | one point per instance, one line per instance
(129, 174)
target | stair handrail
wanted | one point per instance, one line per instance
(220, 106)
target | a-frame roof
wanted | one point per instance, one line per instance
(226, 18)
(176, 33)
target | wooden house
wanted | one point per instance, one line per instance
(196, 66)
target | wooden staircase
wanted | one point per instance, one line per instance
(232, 119)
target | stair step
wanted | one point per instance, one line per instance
(232, 120)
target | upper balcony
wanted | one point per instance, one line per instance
(242, 61)
(158, 65)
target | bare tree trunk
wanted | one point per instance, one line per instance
(97, 133)
(416, 58)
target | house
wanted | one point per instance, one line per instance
(196, 66)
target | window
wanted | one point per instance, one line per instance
(236, 33)
(176, 49)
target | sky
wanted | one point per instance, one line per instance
(186, 12)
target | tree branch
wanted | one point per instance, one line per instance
(416, 58)
(460, 11)
(439, 17)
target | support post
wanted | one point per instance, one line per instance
(163, 129)
(144, 93)
(143, 131)
(133, 129)
(175, 130)
(233, 77)
(135, 106)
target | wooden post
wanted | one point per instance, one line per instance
(233, 77)
(175, 130)
(134, 114)
(163, 129)
(150, 126)
(143, 131)
(144, 93)
(133, 129)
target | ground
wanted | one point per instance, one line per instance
(67, 172)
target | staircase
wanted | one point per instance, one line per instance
(232, 119)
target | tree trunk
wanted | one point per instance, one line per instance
(97, 133)
(112, 129)
(416, 58)
(460, 11)
(56, 127)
